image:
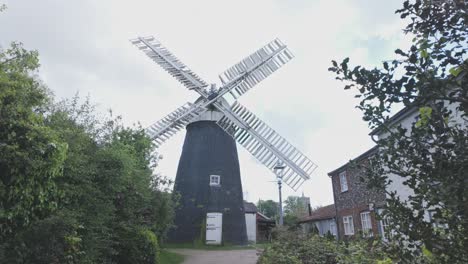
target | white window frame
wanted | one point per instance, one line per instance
(333, 228)
(384, 230)
(348, 225)
(366, 224)
(215, 180)
(343, 181)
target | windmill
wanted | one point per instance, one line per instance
(208, 175)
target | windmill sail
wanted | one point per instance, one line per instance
(247, 73)
(266, 145)
(206, 140)
(258, 138)
(162, 56)
(168, 126)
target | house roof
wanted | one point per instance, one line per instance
(263, 218)
(326, 212)
(249, 207)
(400, 115)
(364, 155)
(408, 110)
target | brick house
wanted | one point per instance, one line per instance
(356, 205)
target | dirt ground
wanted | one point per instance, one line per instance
(248, 256)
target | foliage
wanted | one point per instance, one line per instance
(55, 239)
(136, 246)
(431, 155)
(364, 251)
(108, 181)
(31, 154)
(297, 247)
(295, 205)
(75, 187)
(295, 208)
(268, 207)
(278, 255)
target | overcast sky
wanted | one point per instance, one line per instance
(84, 47)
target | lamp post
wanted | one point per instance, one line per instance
(279, 175)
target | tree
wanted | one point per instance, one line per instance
(431, 156)
(31, 154)
(108, 184)
(74, 188)
(294, 209)
(296, 206)
(268, 207)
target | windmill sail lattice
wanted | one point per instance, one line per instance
(168, 126)
(162, 56)
(248, 130)
(267, 146)
(247, 73)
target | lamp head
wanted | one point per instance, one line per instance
(279, 166)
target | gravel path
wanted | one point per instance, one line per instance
(248, 256)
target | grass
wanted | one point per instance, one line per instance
(262, 245)
(167, 257)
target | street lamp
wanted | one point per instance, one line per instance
(279, 167)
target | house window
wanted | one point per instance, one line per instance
(333, 228)
(343, 181)
(348, 225)
(215, 180)
(366, 224)
(383, 225)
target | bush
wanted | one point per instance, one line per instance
(296, 247)
(136, 245)
(365, 251)
(52, 240)
(278, 255)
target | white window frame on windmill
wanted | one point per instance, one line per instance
(215, 180)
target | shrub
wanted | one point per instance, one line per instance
(296, 247)
(278, 255)
(365, 251)
(136, 245)
(49, 241)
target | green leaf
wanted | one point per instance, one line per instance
(455, 71)
(425, 114)
(400, 52)
(424, 53)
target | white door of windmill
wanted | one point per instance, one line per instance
(214, 228)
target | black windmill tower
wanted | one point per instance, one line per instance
(208, 177)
